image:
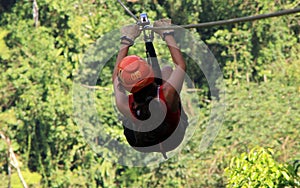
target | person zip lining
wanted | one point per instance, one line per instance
(154, 120)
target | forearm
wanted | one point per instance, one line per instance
(122, 53)
(175, 52)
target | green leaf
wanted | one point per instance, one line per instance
(286, 176)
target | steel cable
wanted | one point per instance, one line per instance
(221, 22)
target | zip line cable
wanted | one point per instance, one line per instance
(221, 22)
(231, 21)
(129, 12)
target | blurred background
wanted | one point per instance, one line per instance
(43, 42)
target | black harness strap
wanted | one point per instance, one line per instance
(152, 60)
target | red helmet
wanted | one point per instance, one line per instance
(135, 73)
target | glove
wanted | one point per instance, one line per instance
(163, 23)
(130, 33)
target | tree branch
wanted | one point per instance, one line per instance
(35, 13)
(13, 160)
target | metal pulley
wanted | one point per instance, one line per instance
(144, 23)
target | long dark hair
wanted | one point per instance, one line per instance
(143, 98)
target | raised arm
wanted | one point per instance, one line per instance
(129, 34)
(173, 85)
(177, 77)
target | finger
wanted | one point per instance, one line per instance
(168, 21)
(156, 23)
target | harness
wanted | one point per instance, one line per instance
(166, 137)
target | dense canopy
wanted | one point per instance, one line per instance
(44, 42)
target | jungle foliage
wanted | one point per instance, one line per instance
(39, 59)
